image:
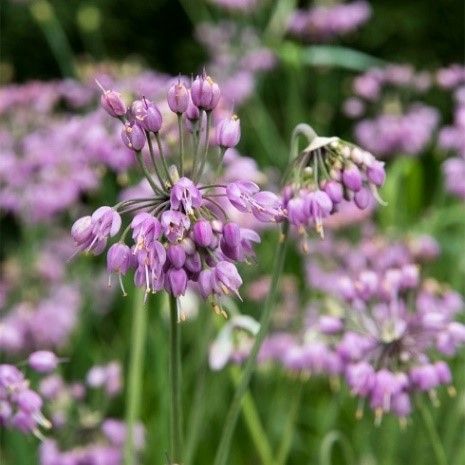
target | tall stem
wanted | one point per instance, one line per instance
(175, 383)
(203, 160)
(231, 419)
(136, 363)
(181, 145)
(435, 440)
(163, 159)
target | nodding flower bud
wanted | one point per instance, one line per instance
(178, 98)
(192, 111)
(228, 132)
(362, 198)
(176, 255)
(133, 136)
(352, 178)
(203, 233)
(334, 191)
(147, 115)
(118, 258)
(176, 281)
(376, 173)
(43, 361)
(232, 234)
(113, 104)
(205, 92)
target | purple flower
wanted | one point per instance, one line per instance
(43, 361)
(175, 225)
(133, 136)
(205, 92)
(178, 97)
(185, 194)
(228, 132)
(147, 115)
(202, 233)
(113, 104)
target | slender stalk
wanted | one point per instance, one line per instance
(231, 419)
(181, 145)
(163, 159)
(253, 422)
(289, 428)
(207, 143)
(329, 441)
(136, 363)
(175, 384)
(154, 162)
(147, 173)
(44, 14)
(435, 440)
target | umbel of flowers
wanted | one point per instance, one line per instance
(327, 172)
(181, 234)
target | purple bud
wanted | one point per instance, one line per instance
(206, 283)
(113, 104)
(376, 173)
(192, 112)
(362, 198)
(226, 278)
(81, 231)
(43, 361)
(133, 136)
(147, 115)
(334, 191)
(443, 372)
(205, 92)
(203, 233)
(28, 401)
(176, 281)
(401, 405)
(176, 255)
(228, 132)
(118, 258)
(232, 234)
(193, 263)
(352, 178)
(178, 98)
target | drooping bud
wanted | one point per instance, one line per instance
(43, 361)
(202, 233)
(133, 136)
(352, 178)
(147, 115)
(176, 255)
(376, 173)
(113, 104)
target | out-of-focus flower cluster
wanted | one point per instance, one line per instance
(236, 57)
(326, 22)
(392, 124)
(55, 143)
(380, 325)
(452, 138)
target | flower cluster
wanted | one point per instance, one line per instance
(327, 172)
(323, 23)
(452, 138)
(55, 144)
(70, 412)
(181, 233)
(20, 406)
(385, 329)
(401, 126)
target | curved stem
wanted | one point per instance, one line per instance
(301, 129)
(136, 363)
(329, 441)
(163, 160)
(231, 419)
(253, 422)
(154, 162)
(435, 440)
(175, 383)
(147, 173)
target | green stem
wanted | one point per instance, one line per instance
(146, 172)
(329, 441)
(288, 433)
(181, 145)
(154, 163)
(435, 440)
(163, 159)
(175, 383)
(136, 363)
(207, 143)
(253, 422)
(233, 413)
(42, 11)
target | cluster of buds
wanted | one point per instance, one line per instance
(327, 172)
(182, 233)
(20, 406)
